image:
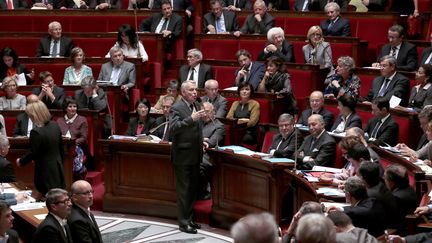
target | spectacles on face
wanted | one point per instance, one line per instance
(65, 201)
(86, 193)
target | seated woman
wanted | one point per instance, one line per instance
(317, 51)
(75, 73)
(277, 46)
(12, 100)
(72, 125)
(343, 81)
(277, 80)
(421, 94)
(424, 153)
(172, 90)
(142, 122)
(128, 41)
(348, 116)
(246, 110)
(10, 66)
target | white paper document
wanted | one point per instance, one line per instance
(21, 80)
(394, 101)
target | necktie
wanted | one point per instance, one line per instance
(235, 3)
(383, 89)
(312, 143)
(330, 25)
(191, 77)
(54, 50)
(376, 128)
(67, 233)
(164, 25)
(89, 99)
(166, 132)
(9, 4)
(191, 107)
(394, 49)
(218, 25)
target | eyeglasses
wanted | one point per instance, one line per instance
(87, 193)
(64, 201)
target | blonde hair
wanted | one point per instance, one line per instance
(312, 31)
(38, 113)
(7, 81)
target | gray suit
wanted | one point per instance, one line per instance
(127, 74)
(230, 19)
(321, 55)
(219, 103)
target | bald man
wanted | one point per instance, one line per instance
(23, 124)
(316, 104)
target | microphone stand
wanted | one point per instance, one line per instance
(296, 148)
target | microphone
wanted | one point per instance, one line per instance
(151, 131)
(296, 147)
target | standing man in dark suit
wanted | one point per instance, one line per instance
(219, 21)
(49, 93)
(316, 104)
(259, 22)
(289, 139)
(54, 228)
(390, 83)
(6, 223)
(195, 70)
(23, 124)
(156, 24)
(237, 5)
(162, 122)
(404, 52)
(81, 221)
(382, 128)
(319, 148)
(13, 4)
(7, 173)
(212, 96)
(426, 55)
(249, 72)
(55, 45)
(186, 153)
(335, 25)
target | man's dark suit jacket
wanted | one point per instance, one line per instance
(368, 214)
(205, 73)
(286, 53)
(354, 120)
(425, 54)
(21, 125)
(340, 28)
(178, 5)
(406, 200)
(215, 132)
(83, 228)
(7, 173)
(323, 151)
(230, 19)
(399, 86)
(242, 4)
(219, 104)
(388, 133)
(50, 231)
(59, 95)
(17, 4)
(255, 74)
(327, 116)
(318, 5)
(383, 195)
(114, 4)
(407, 56)
(98, 103)
(160, 131)
(66, 46)
(288, 147)
(377, 5)
(174, 25)
(267, 22)
(133, 124)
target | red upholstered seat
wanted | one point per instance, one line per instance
(230, 47)
(299, 26)
(255, 47)
(225, 76)
(10, 124)
(268, 138)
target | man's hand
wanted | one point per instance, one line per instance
(243, 120)
(271, 48)
(166, 33)
(395, 239)
(188, 12)
(103, 6)
(233, 8)
(365, 2)
(258, 17)
(124, 88)
(198, 115)
(421, 210)
(237, 33)
(18, 162)
(211, 29)
(335, 83)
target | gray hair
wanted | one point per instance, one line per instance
(259, 3)
(286, 117)
(168, 98)
(115, 49)
(391, 59)
(210, 81)
(88, 81)
(317, 228)
(53, 195)
(4, 141)
(196, 53)
(356, 187)
(397, 28)
(186, 84)
(348, 62)
(426, 112)
(274, 31)
(255, 228)
(332, 4)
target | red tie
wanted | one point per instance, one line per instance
(10, 6)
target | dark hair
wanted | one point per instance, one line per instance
(399, 29)
(7, 51)
(428, 71)
(381, 103)
(243, 52)
(165, 2)
(348, 101)
(370, 172)
(45, 74)
(243, 85)
(348, 143)
(69, 100)
(144, 101)
(356, 188)
(278, 62)
(213, 2)
(129, 32)
(88, 81)
(3, 207)
(398, 175)
(358, 151)
(339, 218)
(174, 84)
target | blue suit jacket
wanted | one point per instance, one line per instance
(340, 28)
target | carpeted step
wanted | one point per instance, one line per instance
(202, 210)
(94, 177)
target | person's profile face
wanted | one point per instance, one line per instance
(166, 10)
(6, 219)
(192, 60)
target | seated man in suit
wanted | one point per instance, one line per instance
(426, 55)
(249, 72)
(219, 21)
(288, 140)
(7, 234)
(390, 83)
(81, 221)
(259, 22)
(54, 227)
(24, 124)
(316, 104)
(278, 46)
(195, 70)
(166, 22)
(7, 173)
(382, 128)
(212, 95)
(55, 45)
(319, 148)
(118, 71)
(425, 116)
(105, 4)
(13, 4)
(256, 227)
(335, 25)
(346, 231)
(162, 122)
(238, 5)
(49, 93)
(404, 52)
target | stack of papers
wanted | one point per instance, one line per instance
(28, 206)
(330, 191)
(279, 160)
(391, 149)
(326, 169)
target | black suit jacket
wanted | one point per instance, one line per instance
(66, 46)
(354, 120)
(83, 228)
(340, 28)
(59, 95)
(327, 116)
(98, 103)
(205, 73)
(399, 86)
(21, 125)
(388, 133)
(17, 4)
(286, 53)
(230, 19)
(174, 25)
(266, 23)
(425, 54)
(368, 214)
(114, 4)
(383, 195)
(255, 75)
(323, 151)
(50, 231)
(13, 236)
(219, 103)
(7, 173)
(133, 124)
(377, 5)
(407, 56)
(160, 131)
(288, 147)
(243, 4)
(406, 200)
(179, 5)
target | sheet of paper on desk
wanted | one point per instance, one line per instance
(234, 148)
(40, 216)
(326, 169)
(311, 178)
(28, 206)
(10, 190)
(21, 80)
(279, 160)
(335, 204)
(330, 191)
(234, 88)
(391, 149)
(394, 101)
